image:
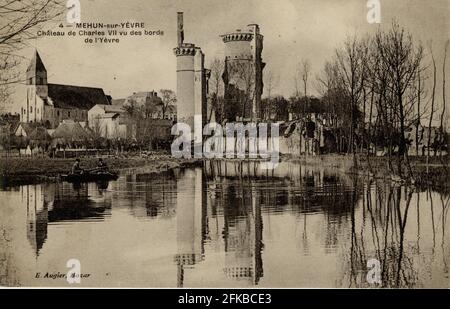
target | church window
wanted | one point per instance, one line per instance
(31, 109)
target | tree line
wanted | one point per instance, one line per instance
(377, 93)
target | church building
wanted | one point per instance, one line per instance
(50, 104)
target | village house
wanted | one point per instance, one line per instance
(150, 104)
(24, 129)
(50, 104)
(170, 113)
(110, 122)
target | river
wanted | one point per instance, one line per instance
(228, 224)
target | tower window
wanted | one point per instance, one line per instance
(31, 109)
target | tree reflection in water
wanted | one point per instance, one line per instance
(380, 234)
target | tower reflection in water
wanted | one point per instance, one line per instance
(191, 216)
(37, 215)
(59, 203)
(197, 211)
(243, 237)
(213, 217)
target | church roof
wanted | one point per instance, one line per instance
(67, 96)
(36, 64)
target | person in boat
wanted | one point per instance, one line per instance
(101, 166)
(76, 169)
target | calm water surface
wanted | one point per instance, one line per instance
(226, 225)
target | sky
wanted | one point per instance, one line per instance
(293, 30)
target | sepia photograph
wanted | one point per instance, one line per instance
(224, 144)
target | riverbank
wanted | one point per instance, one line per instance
(435, 174)
(25, 170)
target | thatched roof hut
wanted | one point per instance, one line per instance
(70, 133)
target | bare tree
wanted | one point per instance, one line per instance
(305, 70)
(168, 98)
(442, 129)
(296, 84)
(19, 22)
(400, 59)
(433, 94)
(216, 87)
(243, 73)
(270, 83)
(131, 108)
(215, 81)
(420, 95)
(351, 64)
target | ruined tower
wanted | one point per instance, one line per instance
(243, 70)
(192, 79)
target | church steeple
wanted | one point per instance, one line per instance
(36, 72)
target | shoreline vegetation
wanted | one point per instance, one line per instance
(15, 171)
(435, 174)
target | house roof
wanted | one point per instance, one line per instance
(111, 108)
(118, 102)
(28, 127)
(71, 131)
(67, 96)
(40, 133)
(144, 94)
(110, 115)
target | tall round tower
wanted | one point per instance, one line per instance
(243, 69)
(185, 83)
(191, 80)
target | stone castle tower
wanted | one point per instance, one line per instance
(36, 80)
(243, 70)
(192, 79)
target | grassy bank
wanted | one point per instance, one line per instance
(435, 174)
(22, 170)
(18, 171)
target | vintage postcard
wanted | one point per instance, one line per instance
(224, 144)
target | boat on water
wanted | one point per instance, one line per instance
(90, 176)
